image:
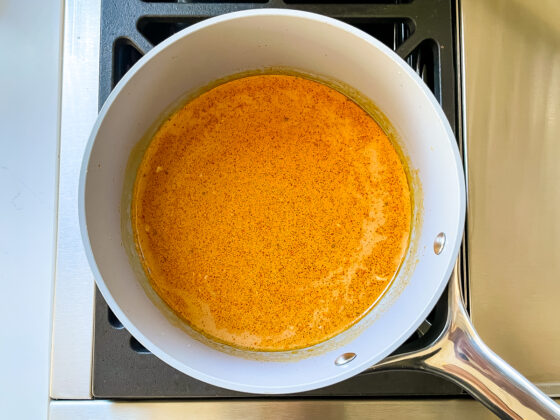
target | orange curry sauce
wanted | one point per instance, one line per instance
(271, 212)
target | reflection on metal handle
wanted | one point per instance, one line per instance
(459, 355)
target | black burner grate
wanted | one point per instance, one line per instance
(422, 32)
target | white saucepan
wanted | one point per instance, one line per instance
(255, 40)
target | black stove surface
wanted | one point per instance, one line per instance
(421, 31)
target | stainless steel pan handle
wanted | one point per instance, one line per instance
(459, 355)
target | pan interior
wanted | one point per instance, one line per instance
(281, 198)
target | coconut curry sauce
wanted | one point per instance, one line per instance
(271, 212)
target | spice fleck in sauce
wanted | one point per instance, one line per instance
(271, 212)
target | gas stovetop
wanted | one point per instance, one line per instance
(423, 32)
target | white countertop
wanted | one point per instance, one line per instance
(29, 110)
(30, 231)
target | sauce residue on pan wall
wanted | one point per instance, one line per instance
(271, 212)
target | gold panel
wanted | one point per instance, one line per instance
(512, 77)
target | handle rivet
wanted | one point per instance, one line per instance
(344, 358)
(439, 243)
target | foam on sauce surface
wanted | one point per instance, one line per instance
(271, 212)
